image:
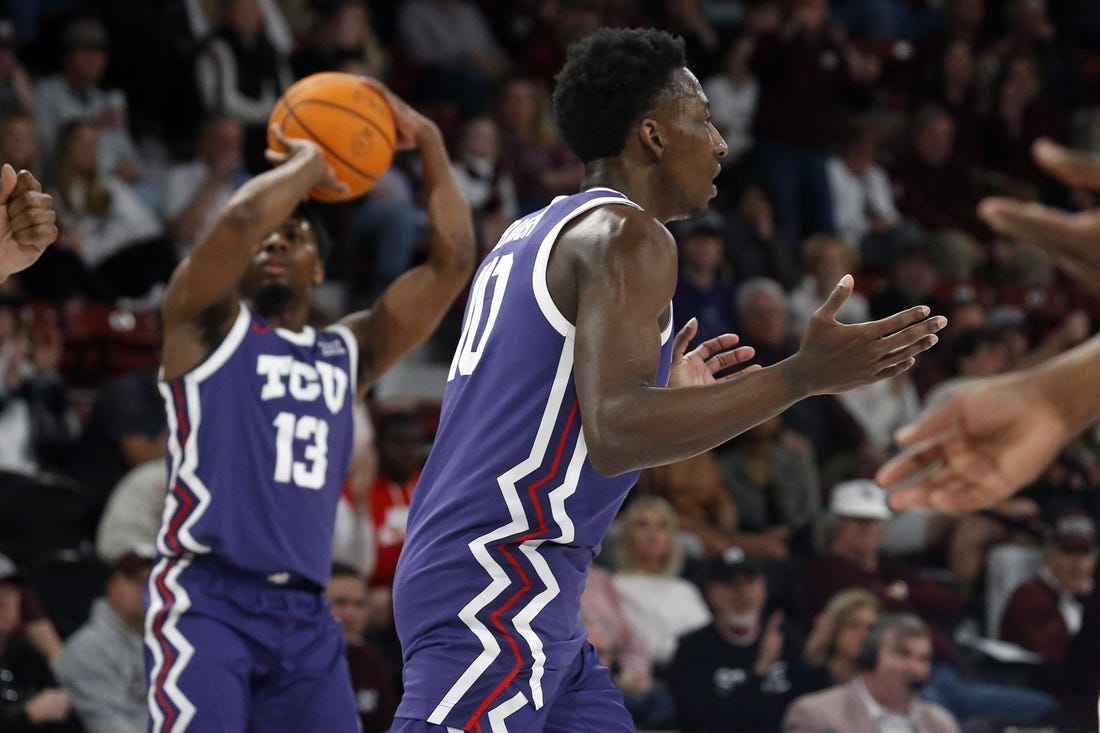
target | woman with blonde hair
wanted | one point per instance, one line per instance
(839, 630)
(660, 606)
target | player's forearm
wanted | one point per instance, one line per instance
(450, 222)
(1071, 383)
(648, 426)
(265, 201)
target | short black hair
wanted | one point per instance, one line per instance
(610, 79)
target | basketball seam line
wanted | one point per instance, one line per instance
(368, 120)
(290, 111)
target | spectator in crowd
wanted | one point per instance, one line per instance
(648, 700)
(863, 204)
(452, 42)
(953, 85)
(103, 667)
(976, 353)
(402, 448)
(659, 604)
(826, 259)
(807, 73)
(106, 229)
(343, 36)
(38, 427)
(485, 181)
(741, 671)
(1044, 614)
(196, 190)
(375, 696)
(35, 626)
(76, 93)
(688, 19)
(733, 93)
(771, 475)
(30, 699)
(16, 90)
(751, 245)
(1029, 30)
(19, 142)
(133, 513)
(241, 73)
(704, 290)
(539, 162)
(896, 661)
(838, 632)
(353, 541)
(126, 428)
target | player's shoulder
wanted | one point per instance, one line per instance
(619, 229)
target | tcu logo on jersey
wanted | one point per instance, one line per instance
(303, 382)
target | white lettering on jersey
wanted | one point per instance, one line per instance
(520, 228)
(306, 382)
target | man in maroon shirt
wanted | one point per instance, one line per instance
(1044, 614)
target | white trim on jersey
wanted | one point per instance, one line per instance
(306, 337)
(546, 303)
(184, 460)
(500, 713)
(353, 352)
(181, 602)
(479, 547)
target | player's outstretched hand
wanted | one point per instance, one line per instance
(27, 220)
(835, 357)
(1070, 238)
(411, 125)
(294, 147)
(705, 361)
(977, 448)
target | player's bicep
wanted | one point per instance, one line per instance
(619, 302)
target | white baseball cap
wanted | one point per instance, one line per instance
(859, 499)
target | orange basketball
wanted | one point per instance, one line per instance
(351, 122)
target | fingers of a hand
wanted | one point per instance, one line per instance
(25, 181)
(912, 497)
(904, 348)
(7, 182)
(728, 359)
(716, 345)
(907, 466)
(742, 372)
(903, 319)
(39, 236)
(1031, 222)
(275, 157)
(683, 338)
(277, 131)
(29, 210)
(1071, 166)
(895, 369)
(837, 298)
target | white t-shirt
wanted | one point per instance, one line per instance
(661, 609)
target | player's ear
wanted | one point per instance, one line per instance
(651, 137)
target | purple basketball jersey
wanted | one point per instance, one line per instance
(509, 512)
(259, 444)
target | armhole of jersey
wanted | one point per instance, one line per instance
(225, 349)
(667, 333)
(546, 303)
(352, 344)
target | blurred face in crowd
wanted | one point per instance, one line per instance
(519, 105)
(223, 140)
(851, 629)
(83, 149)
(649, 537)
(347, 597)
(738, 601)
(990, 358)
(966, 13)
(858, 539)
(904, 664)
(936, 141)
(19, 141)
(352, 25)
(481, 139)
(833, 261)
(85, 66)
(958, 62)
(10, 617)
(764, 321)
(702, 251)
(245, 17)
(401, 450)
(1022, 83)
(1074, 569)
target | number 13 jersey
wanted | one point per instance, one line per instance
(259, 442)
(509, 512)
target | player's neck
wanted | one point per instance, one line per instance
(293, 316)
(632, 182)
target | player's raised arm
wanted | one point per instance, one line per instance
(412, 306)
(209, 276)
(626, 277)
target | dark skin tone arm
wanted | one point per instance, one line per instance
(613, 274)
(412, 306)
(205, 284)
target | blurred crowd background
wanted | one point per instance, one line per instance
(862, 135)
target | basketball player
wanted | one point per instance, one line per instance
(238, 635)
(556, 399)
(26, 221)
(998, 434)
